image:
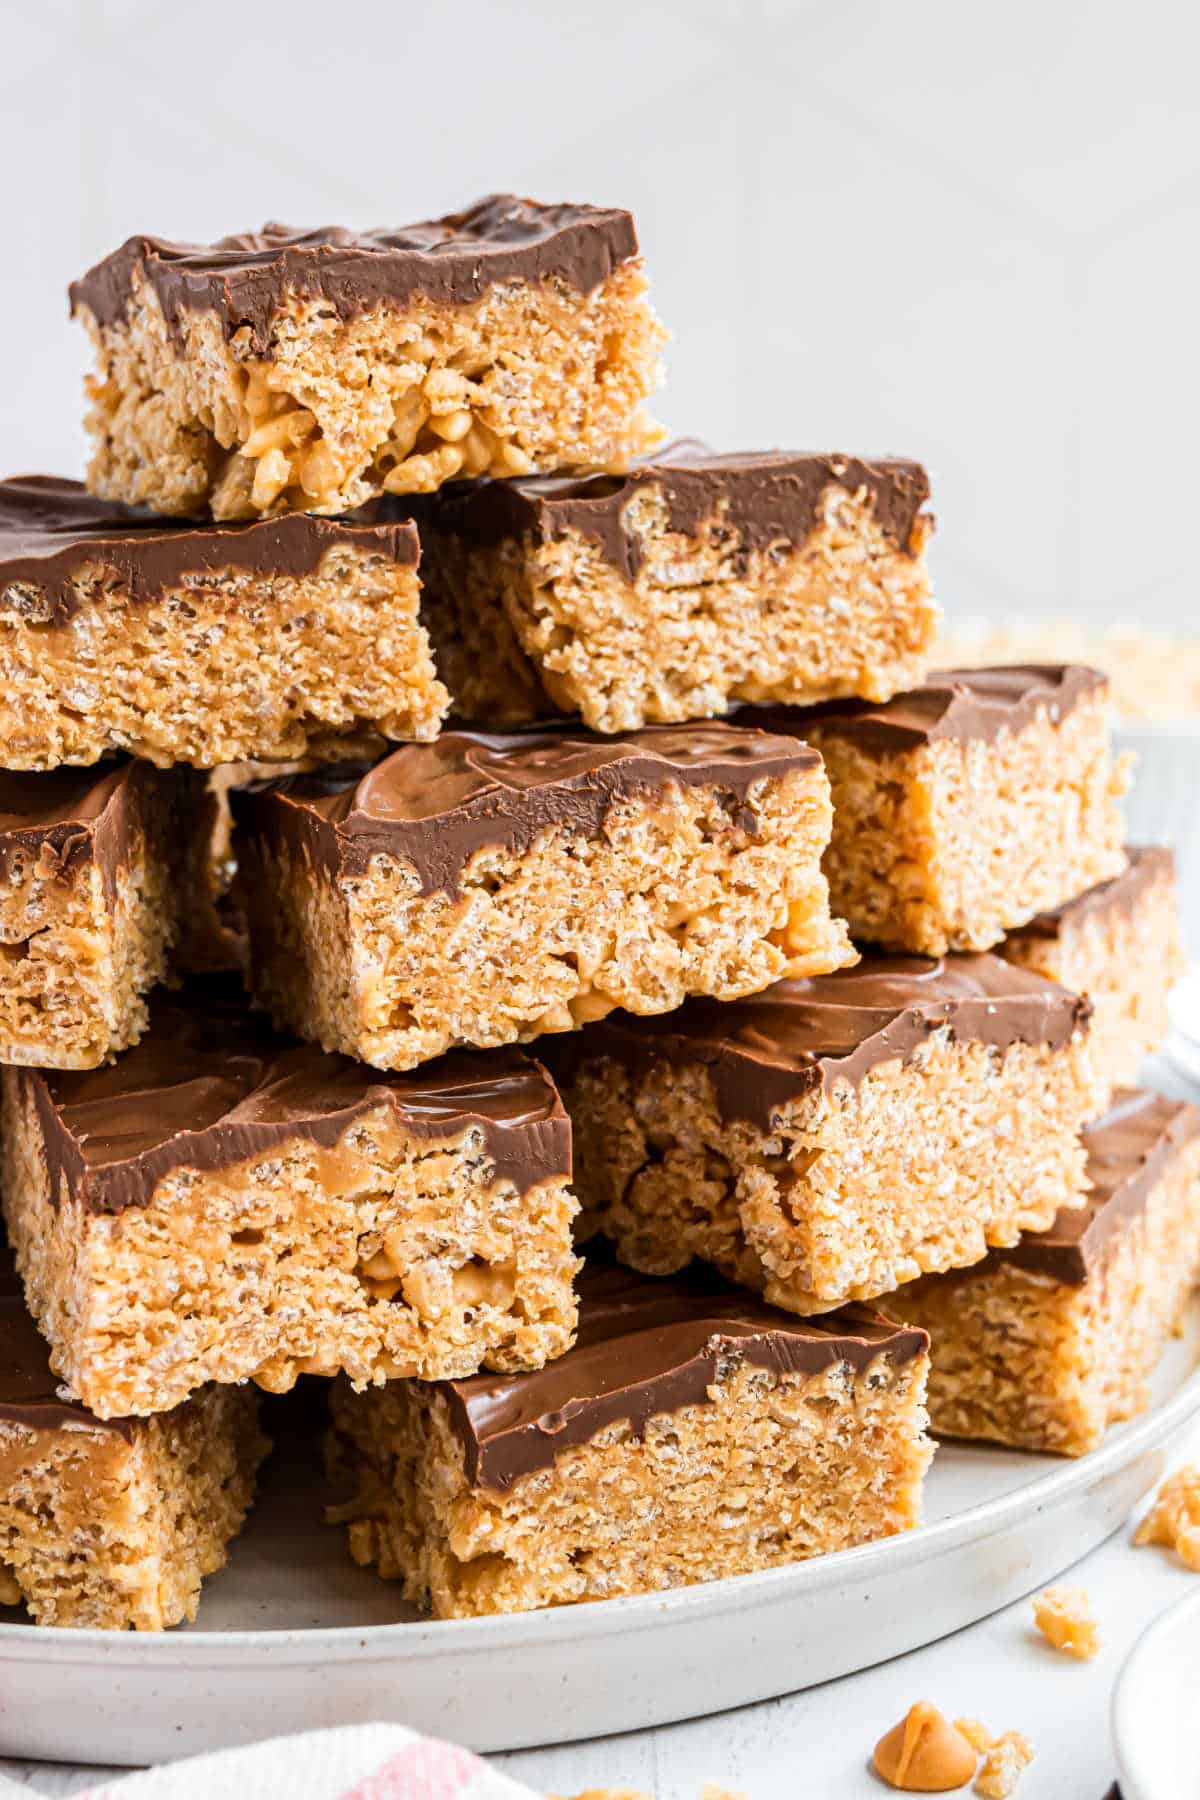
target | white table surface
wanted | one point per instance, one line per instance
(815, 1745)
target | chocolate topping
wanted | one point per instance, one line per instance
(1130, 1148)
(1122, 895)
(30, 1393)
(58, 818)
(774, 1047)
(645, 1348)
(211, 1086)
(55, 536)
(773, 497)
(245, 279)
(435, 805)
(954, 704)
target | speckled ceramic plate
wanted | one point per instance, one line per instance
(291, 1635)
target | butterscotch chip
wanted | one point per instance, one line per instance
(1002, 1766)
(966, 807)
(1047, 1342)
(691, 1433)
(1120, 944)
(1174, 1519)
(924, 1753)
(112, 1524)
(832, 1137)
(1063, 1615)
(311, 371)
(95, 872)
(488, 889)
(203, 644)
(694, 582)
(222, 1205)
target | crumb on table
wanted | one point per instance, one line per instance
(1174, 1519)
(1063, 1615)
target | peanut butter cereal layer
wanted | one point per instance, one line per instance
(966, 807)
(690, 1433)
(486, 889)
(221, 1204)
(112, 1523)
(1120, 944)
(94, 896)
(669, 593)
(281, 370)
(833, 1137)
(1049, 1341)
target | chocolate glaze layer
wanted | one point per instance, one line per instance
(55, 535)
(30, 1393)
(211, 1085)
(774, 1047)
(773, 497)
(1130, 1148)
(246, 279)
(61, 818)
(1122, 896)
(954, 705)
(434, 805)
(648, 1347)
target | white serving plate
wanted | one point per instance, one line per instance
(1155, 1719)
(292, 1636)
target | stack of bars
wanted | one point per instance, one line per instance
(638, 1099)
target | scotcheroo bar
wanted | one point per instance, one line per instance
(112, 1524)
(284, 370)
(1046, 1344)
(832, 1138)
(486, 889)
(964, 808)
(94, 896)
(185, 642)
(691, 1433)
(693, 582)
(221, 1205)
(1120, 944)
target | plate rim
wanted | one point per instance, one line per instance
(1123, 1706)
(432, 1638)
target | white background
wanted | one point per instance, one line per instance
(967, 232)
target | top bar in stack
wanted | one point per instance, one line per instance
(967, 806)
(186, 642)
(282, 370)
(486, 889)
(694, 581)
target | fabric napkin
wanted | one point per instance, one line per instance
(351, 1762)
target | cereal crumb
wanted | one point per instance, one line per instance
(976, 1734)
(1063, 1615)
(1000, 1770)
(924, 1753)
(1174, 1519)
